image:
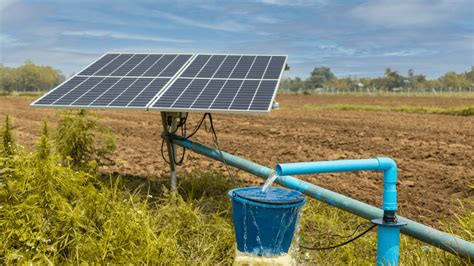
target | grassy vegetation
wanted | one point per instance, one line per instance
(456, 111)
(52, 212)
(323, 225)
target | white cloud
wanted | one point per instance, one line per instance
(266, 19)
(336, 50)
(294, 2)
(123, 36)
(228, 25)
(404, 13)
(405, 53)
(9, 41)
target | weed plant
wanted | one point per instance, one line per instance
(52, 213)
(81, 142)
(8, 144)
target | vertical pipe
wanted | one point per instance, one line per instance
(388, 245)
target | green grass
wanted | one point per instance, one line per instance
(323, 225)
(51, 213)
(54, 214)
(456, 111)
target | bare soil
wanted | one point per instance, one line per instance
(434, 152)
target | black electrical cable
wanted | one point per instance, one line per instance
(341, 244)
(216, 142)
(196, 129)
(181, 125)
(341, 236)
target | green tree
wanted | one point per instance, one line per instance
(319, 76)
(454, 80)
(29, 77)
(393, 79)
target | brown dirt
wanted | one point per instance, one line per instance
(434, 152)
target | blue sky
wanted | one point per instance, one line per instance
(353, 38)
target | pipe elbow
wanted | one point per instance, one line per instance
(386, 163)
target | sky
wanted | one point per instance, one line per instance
(353, 38)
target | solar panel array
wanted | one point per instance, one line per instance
(172, 82)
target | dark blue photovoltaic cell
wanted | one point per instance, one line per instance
(275, 67)
(176, 65)
(211, 66)
(145, 65)
(113, 65)
(144, 98)
(258, 67)
(226, 95)
(111, 93)
(242, 67)
(227, 67)
(131, 92)
(264, 94)
(173, 92)
(61, 90)
(244, 97)
(70, 97)
(95, 91)
(193, 69)
(99, 64)
(129, 66)
(157, 68)
(191, 93)
(208, 94)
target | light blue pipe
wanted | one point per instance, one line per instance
(445, 241)
(388, 239)
(377, 164)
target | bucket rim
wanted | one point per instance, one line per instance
(234, 195)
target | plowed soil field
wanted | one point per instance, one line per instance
(434, 153)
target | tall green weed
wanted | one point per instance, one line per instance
(81, 141)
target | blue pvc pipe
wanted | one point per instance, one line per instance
(388, 240)
(388, 245)
(445, 241)
(377, 164)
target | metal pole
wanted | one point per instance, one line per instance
(170, 147)
(416, 230)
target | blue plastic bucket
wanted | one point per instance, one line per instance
(264, 222)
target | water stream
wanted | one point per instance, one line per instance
(268, 183)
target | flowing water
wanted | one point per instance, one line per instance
(268, 183)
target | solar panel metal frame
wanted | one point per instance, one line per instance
(216, 110)
(170, 81)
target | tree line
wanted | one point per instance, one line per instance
(323, 78)
(29, 77)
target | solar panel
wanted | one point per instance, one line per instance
(172, 82)
(117, 80)
(224, 83)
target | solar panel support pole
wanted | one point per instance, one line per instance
(170, 146)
